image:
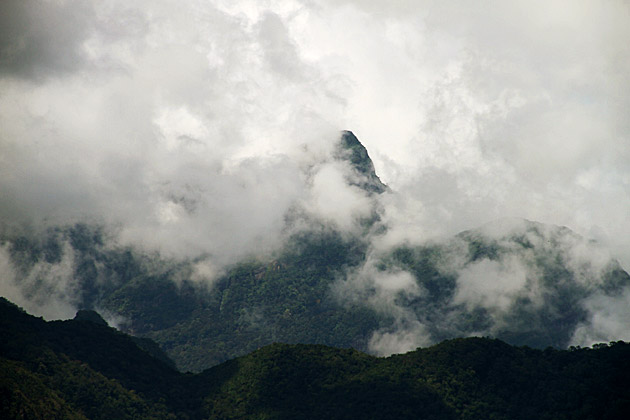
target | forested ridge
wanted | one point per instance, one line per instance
(83, 369)
(294, 296)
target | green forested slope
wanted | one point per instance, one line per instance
(81, 368)
(78, 369)
(290, 297)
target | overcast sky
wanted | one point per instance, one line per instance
(191, 124)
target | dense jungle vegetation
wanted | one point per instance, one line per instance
(82, 369)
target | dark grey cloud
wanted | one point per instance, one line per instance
(39, 39)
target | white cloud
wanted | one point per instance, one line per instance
(491, 284)
(399, 340)
(333, 199)
(488, 110)
(385, 291)
(608, 320)
(48, 289)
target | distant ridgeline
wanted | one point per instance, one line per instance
(83, 369)
(523, 282)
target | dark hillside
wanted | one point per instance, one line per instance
(80, 369)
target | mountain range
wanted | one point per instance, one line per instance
(523, 282)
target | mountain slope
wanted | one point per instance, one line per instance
(351, 150)
(77, 369)
(520, 281)
(527, 284)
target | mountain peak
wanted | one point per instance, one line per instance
(353, 151)
(90, 316)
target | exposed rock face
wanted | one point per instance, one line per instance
(351, 149)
